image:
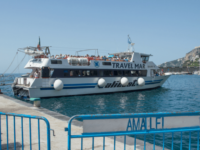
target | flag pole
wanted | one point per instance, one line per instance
(38, 46)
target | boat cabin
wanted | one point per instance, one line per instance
(115, 64)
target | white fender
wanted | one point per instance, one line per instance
(124, 81)
(101, 82)
(58, 85)
(141, 81)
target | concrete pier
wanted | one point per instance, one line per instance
(57, 122)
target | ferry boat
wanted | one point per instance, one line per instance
(65, 75)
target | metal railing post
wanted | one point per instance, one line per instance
(198, 141)
(30, 134)
(39, 134)
(0, 132)
(69, 135)
(22, 133)
(7, 131)
(14, 133)
(48, 133)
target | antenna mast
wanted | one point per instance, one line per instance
(130, 44)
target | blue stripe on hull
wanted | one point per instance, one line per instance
(80, 87)
(92, 85)
(151, 83)
(155, 80)
(79, 84)
(46, 88)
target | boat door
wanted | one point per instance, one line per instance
(45, 72)
(152, 73)
(45, 76)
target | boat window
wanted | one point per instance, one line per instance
(51, 72)
(107, 73)
(117, 73)
(142, 73)
(145, 59)
(134, 73)
(93, 72)
(127, 72)
(66, 73)
(53, 61)
(106, 63)
(85, 73)
(54, 73)
(75, 73)
(59, 62)
(56, 61)
(101, 73)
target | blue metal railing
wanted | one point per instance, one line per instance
(136, 133)
(22, 116)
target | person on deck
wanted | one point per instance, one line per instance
(104, 58)
(36, 74)
(156, 74)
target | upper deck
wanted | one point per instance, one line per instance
(123, 60)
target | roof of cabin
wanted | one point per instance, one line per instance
(121, 53)
(129, 53)
(142, 54)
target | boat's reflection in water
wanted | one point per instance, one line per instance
(129, 102)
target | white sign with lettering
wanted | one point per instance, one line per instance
(140, 124)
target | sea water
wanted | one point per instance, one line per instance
(178, 94)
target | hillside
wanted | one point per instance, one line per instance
(175, 63)
(193, 63)
(191, 59)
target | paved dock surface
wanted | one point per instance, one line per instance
(57, 122)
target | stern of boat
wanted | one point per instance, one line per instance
(21, 86)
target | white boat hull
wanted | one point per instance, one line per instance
(78, 86)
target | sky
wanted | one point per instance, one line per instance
(167, 29)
